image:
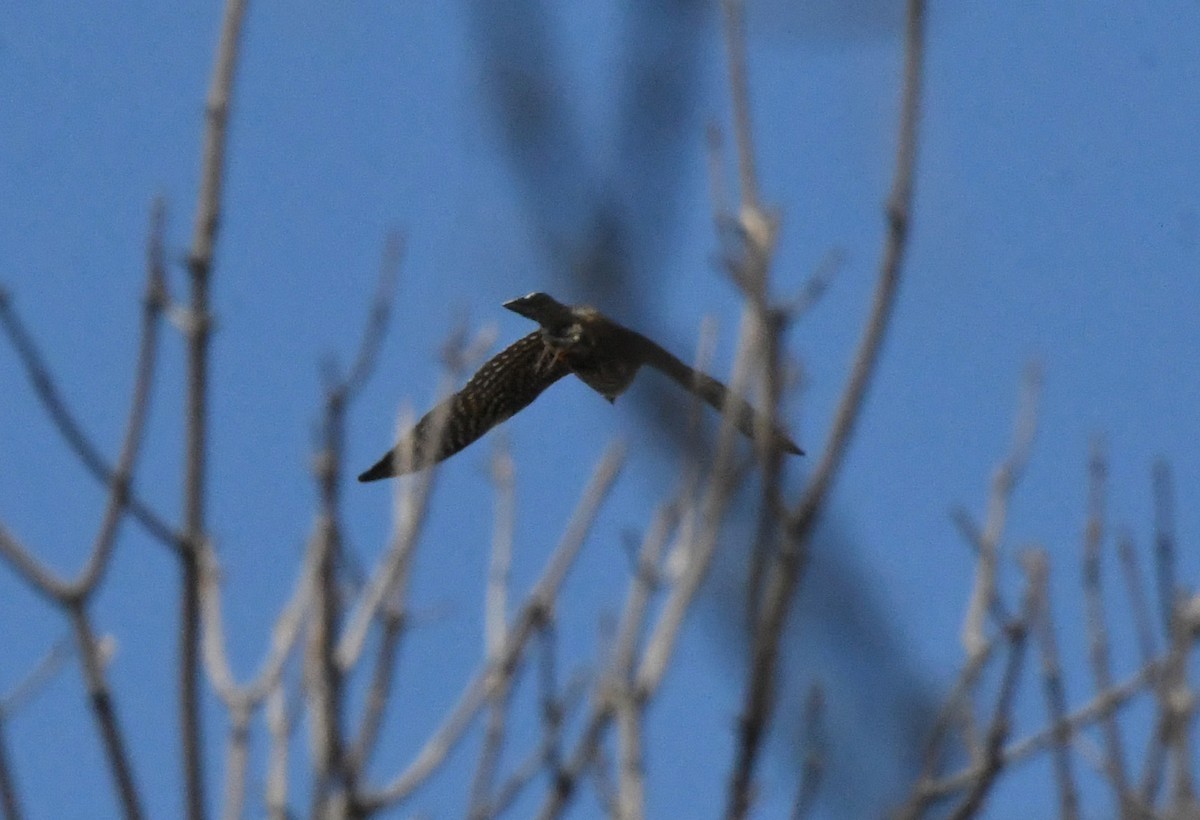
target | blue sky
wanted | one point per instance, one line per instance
(1056, 220)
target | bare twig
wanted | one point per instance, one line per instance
(496, 628)
(237, 756)
(389, 580)
(283, 635)
(983, 774)
(786, 571)
(1004, 481)
(200, 259)
(815, 750)
(1165, 574)
(10, 803)
(1097, 627)
(739, 93)
(954, 707)
(336, 770)
(527, 622)
(1164, 544)
(539, 759)
(91, 655)
(279, 730)
(378, 319)
(36, 679)
(633, 617)
(1037, 568)
(1103, 704)
(71, 431)
(147, 358)
(81, 588)
(73, 596)
(393, 629)
(1135, 589)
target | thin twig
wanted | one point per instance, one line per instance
(739, 94)
(974, 538)
(280, 731)
(283, 635)
(45, 387)
(954, 706)
(104, 712)
(1091, 712)
(237, 758)
(1097, 628)
(371, 722)
(1036, 566)
(200, 259)
(1004, 481)
(529, 618)
(389, 580)
(815, 749)
(36, 679)
(378, 319)
(1164, 543)
(1135, 589)
(496, 628)
(153, 304)
(40, 577)
(984, 773)
(786, 571)
(10, 803)
(633, 618)
(1165, 576)
(539, 758)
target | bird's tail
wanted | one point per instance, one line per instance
(745, 418)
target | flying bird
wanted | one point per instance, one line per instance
(571, 339)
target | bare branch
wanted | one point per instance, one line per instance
(60, 415)
(153, 304)
(36, 679)
(1135, 589)
(280, 731)
(815, 751)
(91, 656)
(1097, 628)
(531, 615)
(1093, 711)
(1037, 568)
(633, 617)
(495, 618)
(785, 573)
(1004, 481)
(739, 93)
(983, 775)
(9, 802)
(200, 259)
(284, 634)
(1164, 543)
(378, 319)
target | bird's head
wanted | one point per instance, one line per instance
(560, 323)
(540, 307)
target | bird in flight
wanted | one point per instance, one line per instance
(571, 339)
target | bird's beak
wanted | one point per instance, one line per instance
(520, 306)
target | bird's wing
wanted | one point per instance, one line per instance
(506, 384)
(724, 400)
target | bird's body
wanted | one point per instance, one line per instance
(604, 355)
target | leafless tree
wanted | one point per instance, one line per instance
(337, 629)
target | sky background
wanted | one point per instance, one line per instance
(1056, 220)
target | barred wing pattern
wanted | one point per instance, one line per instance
(506, 384)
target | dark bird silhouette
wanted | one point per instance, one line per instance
(572, 339)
